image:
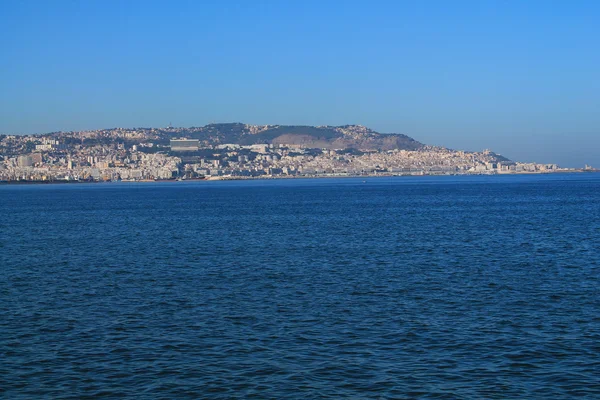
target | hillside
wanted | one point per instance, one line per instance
(334, 137)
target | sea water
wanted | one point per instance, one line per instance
(413, 287)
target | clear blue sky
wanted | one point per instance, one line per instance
(519, 77)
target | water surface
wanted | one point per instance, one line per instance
(432, 287)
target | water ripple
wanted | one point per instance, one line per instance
(315, 289)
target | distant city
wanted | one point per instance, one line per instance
(238, 151)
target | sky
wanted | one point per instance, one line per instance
(519, 77)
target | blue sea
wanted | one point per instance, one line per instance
(384, 288)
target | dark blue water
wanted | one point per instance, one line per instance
(467, 287)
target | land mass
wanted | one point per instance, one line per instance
(237, 150)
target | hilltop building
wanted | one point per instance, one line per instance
(185, 144)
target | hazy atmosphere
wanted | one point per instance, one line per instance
(521, 78)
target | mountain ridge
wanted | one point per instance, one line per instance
(322, 136)
(340, 137)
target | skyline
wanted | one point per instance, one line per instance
(237, 151)
(520, 79)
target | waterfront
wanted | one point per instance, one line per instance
(448, 287)
(157, 154)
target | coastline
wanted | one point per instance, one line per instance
(280, 177)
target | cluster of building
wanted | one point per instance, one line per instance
(129, 154)
(232, 160)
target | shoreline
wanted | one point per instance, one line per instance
(265, 177)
